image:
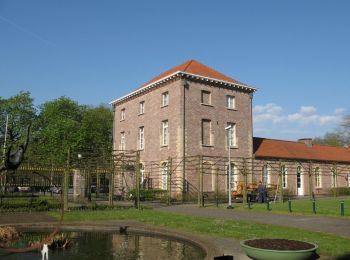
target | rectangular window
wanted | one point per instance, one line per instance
(334, 178)
(122, 114)
(165, 133)
(206, 132)
(318, 182)
(265, 175)
(348, 179)
(284, 176)
(141, 138)
(231, 138)
(122, 141)
(165, 99)
(206, 97)
(141, 107)
(231, 104)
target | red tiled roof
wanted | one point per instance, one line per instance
(194, 67)
(270, 148)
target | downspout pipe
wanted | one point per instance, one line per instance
(185, 86)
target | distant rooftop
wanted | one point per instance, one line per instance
(271, 148)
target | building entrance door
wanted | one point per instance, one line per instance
(300, 189)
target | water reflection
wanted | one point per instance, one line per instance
(112, 246)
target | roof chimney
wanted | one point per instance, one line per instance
(306, 141)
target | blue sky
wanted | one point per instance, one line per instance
(297, 53)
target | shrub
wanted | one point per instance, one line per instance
(341, 191)
(150, 194)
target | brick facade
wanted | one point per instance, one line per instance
(197, 109)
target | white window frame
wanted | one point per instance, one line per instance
(164, 176)
(284, 177)
(234, 176)
(232, 135)
(165, 133)
(122, 114)
(142, 174)
(230, 102)
(318, 178)
(348, 179)
(165, 99)
(141, 107)
(122, 141)
(334, 178)
(299, 172)
(267, 175)
(141, 138)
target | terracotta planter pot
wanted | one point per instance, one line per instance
(270, 254)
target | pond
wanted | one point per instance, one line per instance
(108, 245)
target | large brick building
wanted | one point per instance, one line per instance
(193, 110)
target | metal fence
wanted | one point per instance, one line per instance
(123, 175)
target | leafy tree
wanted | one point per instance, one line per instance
(95, 135)
(339, 137)
(59, 121)
(21, 112)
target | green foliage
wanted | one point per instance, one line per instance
(57, 126)
(21, 112)
(339, 137)
(24, 203)
(59, 122)
(340, 191)
(150, 194)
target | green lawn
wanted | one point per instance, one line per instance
(324, 207)
(329, 245)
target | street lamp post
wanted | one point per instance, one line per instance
(228, 128)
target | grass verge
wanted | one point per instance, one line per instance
(329, 245)
(324, 207)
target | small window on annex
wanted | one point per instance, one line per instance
(284, 176)
(318, 182)
(231, 103)
(206, 97)
(165, 99)
(265, 175)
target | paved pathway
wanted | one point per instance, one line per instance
(313, 223)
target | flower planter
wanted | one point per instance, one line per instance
(277, 249)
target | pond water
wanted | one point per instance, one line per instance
(107, 245)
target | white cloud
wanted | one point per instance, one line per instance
(339, 110)
(269, 108)
(268, 113)
(307, 109)
(305, 119)
(271, 120)
(268, 117)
